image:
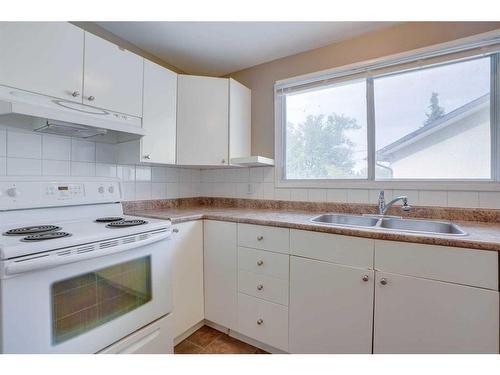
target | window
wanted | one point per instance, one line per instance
(326, 133)
(431, 119)
(434, 123)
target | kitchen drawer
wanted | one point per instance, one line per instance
(456, 265)
(263, 286)
(273, 319)
(263, 262)
(265, 238)
(349, 251)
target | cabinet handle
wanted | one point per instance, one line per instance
(383, 281)
(260, 262)
(260, 238)
(260, 287)
(147, 156)
(260, 322)
(175, 230)
(365, 278)
(75, 93)
(91, 98)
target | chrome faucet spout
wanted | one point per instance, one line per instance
(383, 207)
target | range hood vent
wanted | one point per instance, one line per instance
(63, 117)
(69, 129)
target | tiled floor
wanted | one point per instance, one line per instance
(207, 340)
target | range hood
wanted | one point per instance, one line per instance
(57, 116)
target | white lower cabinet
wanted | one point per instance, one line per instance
(264, 321)
(187, 276)
(331, 307)
(415, 315)
(220, 273)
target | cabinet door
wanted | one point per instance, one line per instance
(113, 77)
(202, 120)
(240, 120)
(221, 279)
(42, 57)
(187, 275)
(159, 114)
(331, 308)
(414, 315)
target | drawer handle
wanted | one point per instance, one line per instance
(260, 287)
(260, 238)
(260, 322)
(365, 278)
(383, 281)
(260, 262)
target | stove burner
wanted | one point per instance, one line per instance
(126, 223)
(109, 219)
(46, 236)
(31, 230)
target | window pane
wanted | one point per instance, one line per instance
(434, 123)
(87, 301)
(326, 133)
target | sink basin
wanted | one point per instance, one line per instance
(394, 224)
(351, 220)
(421, 226)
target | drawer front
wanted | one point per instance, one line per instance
(462, 266)
(265, 238)
(273, 319)
(263, 262)
(349, 251)
(262, 286)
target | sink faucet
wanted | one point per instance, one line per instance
(383, 207)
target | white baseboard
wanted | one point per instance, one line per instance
(189, 332)
(244, 338)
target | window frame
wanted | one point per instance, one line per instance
(426, 58)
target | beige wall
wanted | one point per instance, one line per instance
(388, 41)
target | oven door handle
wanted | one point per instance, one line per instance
(50, 260)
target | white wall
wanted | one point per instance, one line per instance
(233, 183)
(29, 153)
(461, 150)
(35, 154)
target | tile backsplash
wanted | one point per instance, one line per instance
(28, 153)
(24, 153)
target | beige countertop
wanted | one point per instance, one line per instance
(480, 235)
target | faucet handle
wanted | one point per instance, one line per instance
(381, 194)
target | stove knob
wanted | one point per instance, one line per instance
(101, 189)
(13, 192)
(111, 190)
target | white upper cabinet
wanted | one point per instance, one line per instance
(159, 114)
(213, 120)
(202, 119)
(42, 57)
(113, 77)
(240, 106)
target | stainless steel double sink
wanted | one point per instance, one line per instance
(393, 224)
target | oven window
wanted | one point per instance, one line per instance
(84, 302)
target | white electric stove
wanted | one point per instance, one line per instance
(78, 276)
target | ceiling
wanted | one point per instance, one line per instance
(219, 48)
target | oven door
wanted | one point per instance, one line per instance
(86, 305)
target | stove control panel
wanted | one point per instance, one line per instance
(65, 191)
(19, 193)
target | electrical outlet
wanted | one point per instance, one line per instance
(249, 189)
